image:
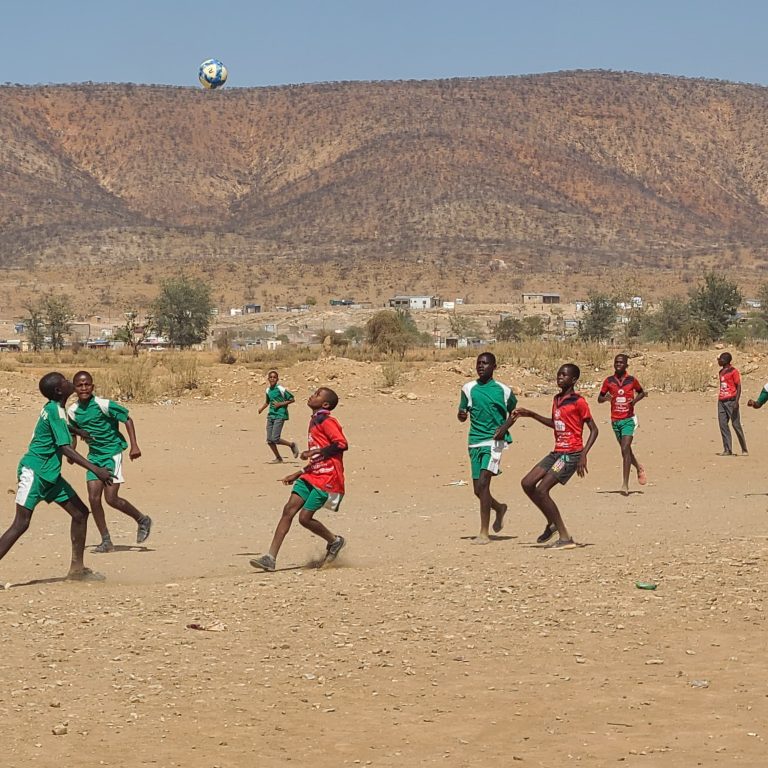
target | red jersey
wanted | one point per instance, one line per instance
(326, 472)
(622, 393)
(569, 413)
(730, 379)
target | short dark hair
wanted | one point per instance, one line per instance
(330, 397)
(49, 383)
(489, 355)
(273, 371)
(727, 357)
(622, 355)
(575, 370)
(88, 374)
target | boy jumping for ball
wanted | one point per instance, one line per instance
(101, 418)
(570, 413)
(319, 484)
(487, 403)
(624, 392)
(39, 475)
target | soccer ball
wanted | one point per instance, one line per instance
(212, 74)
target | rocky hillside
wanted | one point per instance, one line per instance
(564, 171)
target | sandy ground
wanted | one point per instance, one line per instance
(417, 648)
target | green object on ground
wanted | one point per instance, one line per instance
(645, 585)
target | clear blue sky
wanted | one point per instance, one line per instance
(298, 41)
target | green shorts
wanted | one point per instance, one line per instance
(33, 489)
(113, 463)
(624, 427)
(486, 457)
(314, 498)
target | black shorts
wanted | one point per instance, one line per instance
(561, 465)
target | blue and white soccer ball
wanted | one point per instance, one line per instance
(212, 74)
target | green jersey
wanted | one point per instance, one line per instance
(489, 405)
(51, 434)
(101, 419)
(278, 392)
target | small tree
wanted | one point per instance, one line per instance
(599, 318)
(391, 332)
(508, 329)
(713, 305)
(533, 327)
(58, 319)
(224, 340)
(182, 311)
(463, 326)
(134, 332)
(671, 322)
(35, 324)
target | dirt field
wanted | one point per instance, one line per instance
(417, 649)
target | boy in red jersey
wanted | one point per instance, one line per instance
(319, 484)
(728, 405)
(570, 413)
(624, 392)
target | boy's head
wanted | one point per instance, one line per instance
(724, 359)
(485, 366)
(83, 382)
(620, 363)
(55, 386)
(323, 398)
(568, 375)
(272, 378)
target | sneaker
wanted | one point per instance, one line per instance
(549, 532)
(295, 450)
(725, 453)
(333, 549)
(145, 526)
(105, 546)
(265, 562)
(563, 544)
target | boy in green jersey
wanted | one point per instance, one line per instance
(487, 403)
(39, 475)
(277, 399)
(762, 399)
(101, 419)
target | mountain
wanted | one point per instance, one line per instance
(568, 171)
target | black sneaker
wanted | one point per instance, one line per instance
(105, 546)
(145, 526)
(549, 532)
(333, 549)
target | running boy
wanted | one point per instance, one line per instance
(40, 479)
(487, 403)
(278, 398)
(624, 392)
(101, 419)
(319, 484)
(728, 405)
(570, 413)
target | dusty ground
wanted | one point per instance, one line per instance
(418, 649)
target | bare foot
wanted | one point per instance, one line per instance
(498, 523)
(482, 539)
(624, 491)
(642, 478)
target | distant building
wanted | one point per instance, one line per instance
(342, 302)
(252, 309)
(235, 312)
(414, 302)
(753, 303)
(541, 298)
(581, 305)
(10, 345)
